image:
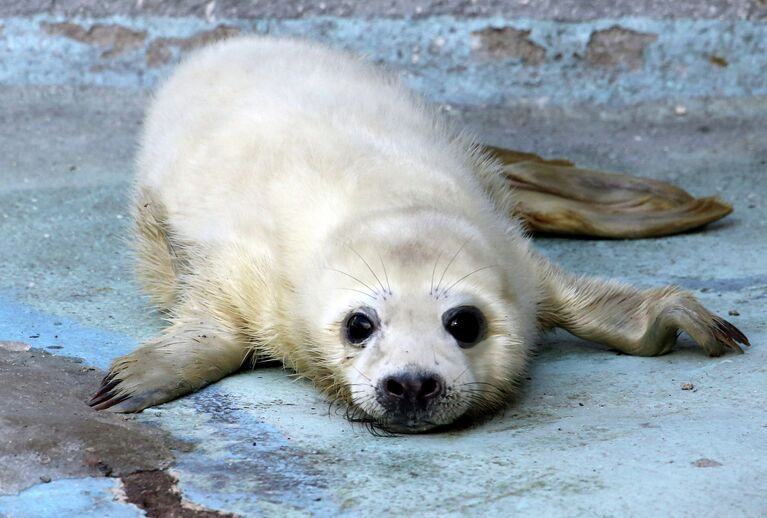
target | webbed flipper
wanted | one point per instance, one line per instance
(555, 196)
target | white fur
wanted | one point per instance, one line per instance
(283, 185)
(293, 151)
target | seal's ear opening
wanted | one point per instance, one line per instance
(555, 196)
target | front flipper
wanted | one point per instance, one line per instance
(189, 355)
(554, 196)
(638, 322)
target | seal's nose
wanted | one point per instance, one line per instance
(409, 391)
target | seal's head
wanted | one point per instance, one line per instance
(421, 320)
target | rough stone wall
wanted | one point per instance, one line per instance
(453, 51)
(560, 10)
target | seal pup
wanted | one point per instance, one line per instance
(295, 203)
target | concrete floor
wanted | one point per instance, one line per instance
(594, 433)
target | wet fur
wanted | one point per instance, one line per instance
(235, 293)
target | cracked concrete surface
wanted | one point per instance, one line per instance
(593, 432)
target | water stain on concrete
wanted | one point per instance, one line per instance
(47, 432)
(114, 39)
(270, 467)
(618, 46)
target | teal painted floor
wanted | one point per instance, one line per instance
(592, 433)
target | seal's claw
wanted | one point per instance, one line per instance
(114, 396)
(713, 333)
(729, 335)
(107, 384)
(680, 311)
(109, 393)
(185, 358)
(109, 401)
(732, 331)
(129, 403)
(139, 380)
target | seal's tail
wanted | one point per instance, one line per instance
(555, 196)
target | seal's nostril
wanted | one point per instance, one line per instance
(412, 387)
(394, 388)
(429, 388)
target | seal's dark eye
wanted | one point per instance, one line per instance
(466, 324)
(359, 327)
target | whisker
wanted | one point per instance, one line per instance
(483, 390)
(447, 290)
(433, 272)
(361, 374)
(450, 264)
(356, 279)
(461, 374)
(386, 275)
(359, 291)
(479, 383)
(368, 266)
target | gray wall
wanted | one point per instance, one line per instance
(454, 51)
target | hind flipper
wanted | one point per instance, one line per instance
(554, 196)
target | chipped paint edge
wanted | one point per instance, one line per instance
(436, 56)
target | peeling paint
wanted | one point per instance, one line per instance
(507, 43)
(451, 60)
(156, 493)
(618, 46)
(69, 497)
(160, 53)
(114, 39)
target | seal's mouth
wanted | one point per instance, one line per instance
(394, 423)
(409, 402)
(409, 426)
(408, 423)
